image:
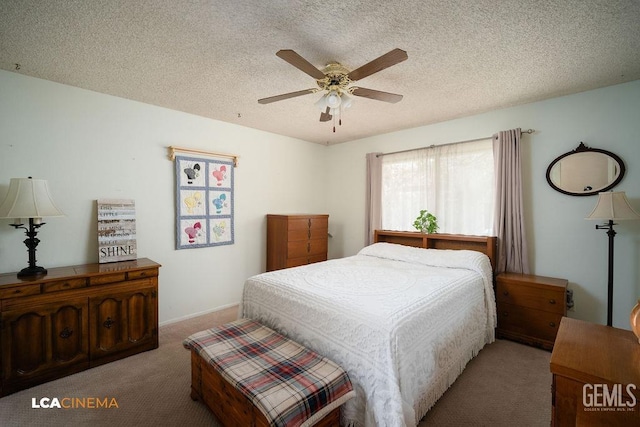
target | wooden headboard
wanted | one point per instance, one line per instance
(485, 244)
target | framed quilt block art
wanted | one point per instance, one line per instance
(204, 202)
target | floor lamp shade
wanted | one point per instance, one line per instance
(612, 206)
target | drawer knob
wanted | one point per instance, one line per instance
(505, 293)
(505, 314)
(66, 333)
(108, 323)
(552, 301)
(552, 324)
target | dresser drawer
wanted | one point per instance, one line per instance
(302, 248)
(64, 285)
(141, 274)
(551, 299)
(308, 233)
(296, 262)
(107, 278)
(294, 224)
(307, 228)
(19, 291)
(528, 322)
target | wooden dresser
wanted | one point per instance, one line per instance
(294, 240)
(530, 308)
(75, 318)
(596, 376)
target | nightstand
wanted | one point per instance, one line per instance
(530, 308)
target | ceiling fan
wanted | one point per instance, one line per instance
(335, 81)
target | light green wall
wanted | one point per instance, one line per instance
(89, 146)
(561, 242)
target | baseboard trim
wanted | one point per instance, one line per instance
(201, 313)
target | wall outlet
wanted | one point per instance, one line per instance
(570, 299)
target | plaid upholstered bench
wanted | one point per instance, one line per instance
(249, 375)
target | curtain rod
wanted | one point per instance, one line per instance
(172, 154)
(529, 131)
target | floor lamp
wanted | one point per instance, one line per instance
(612, 206)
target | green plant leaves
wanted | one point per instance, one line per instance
(426, 222)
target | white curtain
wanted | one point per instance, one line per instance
(454, 182)
(373, 196)
(509, 218)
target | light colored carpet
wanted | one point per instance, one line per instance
(506, 384)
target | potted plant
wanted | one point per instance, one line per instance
(426, 222)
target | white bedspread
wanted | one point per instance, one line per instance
(403, 322)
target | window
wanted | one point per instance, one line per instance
(454, 182)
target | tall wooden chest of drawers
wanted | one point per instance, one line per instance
(294, 240)
(530, 308)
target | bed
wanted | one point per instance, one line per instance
(403, 317)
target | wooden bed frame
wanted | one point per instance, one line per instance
(485, 244)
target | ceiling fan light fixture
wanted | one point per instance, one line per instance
(334, 82)
(321, 103)
(333, 99)
(347, 101)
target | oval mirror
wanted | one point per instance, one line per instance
(585, 171)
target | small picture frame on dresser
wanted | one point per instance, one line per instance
(116, 230)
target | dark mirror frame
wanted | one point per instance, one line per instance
(584, 149)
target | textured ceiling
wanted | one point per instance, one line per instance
(217, 58)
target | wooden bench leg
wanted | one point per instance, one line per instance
(196, 376)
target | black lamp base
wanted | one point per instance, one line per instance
(611, 233)
(32, 242)
(32, 271)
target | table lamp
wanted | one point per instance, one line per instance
(29, 199)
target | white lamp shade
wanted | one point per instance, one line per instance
(346, 101)
(321, 104)
(28, 198)
(333, 99)
(613, 206)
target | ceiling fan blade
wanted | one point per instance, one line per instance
(285, 96)
(325, 116)
(378, 64)
(376, 94)
(300, 63)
